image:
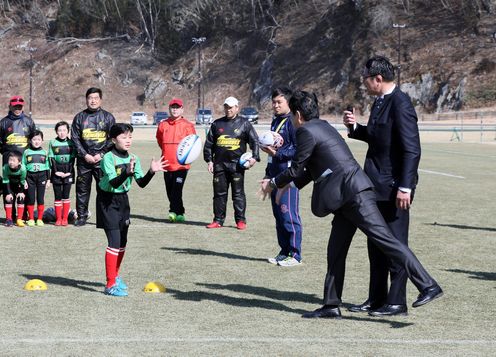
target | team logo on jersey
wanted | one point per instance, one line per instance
(29, 158)
(236, 131)
(94, 135)
(43, 159)
(118, 171)
(17, 140)
(227, 142)
(25, 129)
(10, 128)
(57, 150)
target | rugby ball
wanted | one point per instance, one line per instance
(189, 149)
(244, 160)
(271, 138)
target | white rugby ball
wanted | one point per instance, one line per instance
(244, 160)
(271, 138)
(189, 149)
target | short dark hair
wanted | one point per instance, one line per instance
(120, 128)
(36, 132)
(306, 103)
(16, 154)
(380, 65)
(94, 90)
(61, 123)
(284, 91)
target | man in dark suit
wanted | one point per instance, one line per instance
(391, 163)
(341, 187)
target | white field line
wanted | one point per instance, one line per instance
(458, 153)
(441, 173)
(195, 340)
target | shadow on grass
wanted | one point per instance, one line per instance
(58, 280)
(192, 251)
(462, 226)
(481, 275)
(265, 304)
(230, 300)
(164, 220)
(266, 292)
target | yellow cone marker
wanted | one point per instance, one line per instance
(154, 287)
(35, 284)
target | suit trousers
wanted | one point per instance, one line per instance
(361, 212)
(380, 266)
(174, 183)
(222, 180)
(85, 173)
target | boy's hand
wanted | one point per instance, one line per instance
(9, 198)
(21, 195)
(159, 165)
(130, 168)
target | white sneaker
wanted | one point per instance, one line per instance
(277, 259)
(288, 262)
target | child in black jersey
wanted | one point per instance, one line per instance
(62, 155)
(119, 167)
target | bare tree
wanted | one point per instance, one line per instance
(149, 13)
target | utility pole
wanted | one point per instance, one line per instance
(31, 65)
(198, 42)
(399, 27)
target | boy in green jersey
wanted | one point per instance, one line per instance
(119, 167)
(62, 155)
(14, 179)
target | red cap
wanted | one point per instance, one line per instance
(16, 100)
(176, 101)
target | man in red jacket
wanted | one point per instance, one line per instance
(170, 132)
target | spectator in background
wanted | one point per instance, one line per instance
(225, 143)
(15, 129)
(90, 134)
(170, 132)
(286, 211)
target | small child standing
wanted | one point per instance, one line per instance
(119, 167)
(14, 179)
(62, 155)
(35, 158)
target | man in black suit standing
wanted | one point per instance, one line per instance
(391, 163)
(341, 187)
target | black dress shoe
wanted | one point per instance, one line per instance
(324, 312)
(365, 307)
(390, 310)
(428, 295)
(80, 222)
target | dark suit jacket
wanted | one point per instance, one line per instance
(320, 149)
(394, 145)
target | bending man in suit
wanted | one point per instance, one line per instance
(341, 187)
(391, 163)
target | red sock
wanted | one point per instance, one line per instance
(20, 210)
(119, 259)
(41, 209)
(66, 207)
(31, 211)
(8, 211)
(58, 210)
(111, 256)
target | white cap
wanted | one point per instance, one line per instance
(231, 101)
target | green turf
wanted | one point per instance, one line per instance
(223, 298)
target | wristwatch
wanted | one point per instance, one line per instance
(272, 183)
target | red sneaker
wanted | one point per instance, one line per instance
(241, 225)
(214, 224)
(64, 222)
(58, 222)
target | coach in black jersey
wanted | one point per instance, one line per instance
(90, 133)
(15, 129)
(225, 143)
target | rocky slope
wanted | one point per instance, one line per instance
(448, 62)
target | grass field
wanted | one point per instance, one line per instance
(223, 298)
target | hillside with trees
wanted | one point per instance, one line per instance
(141, 51)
